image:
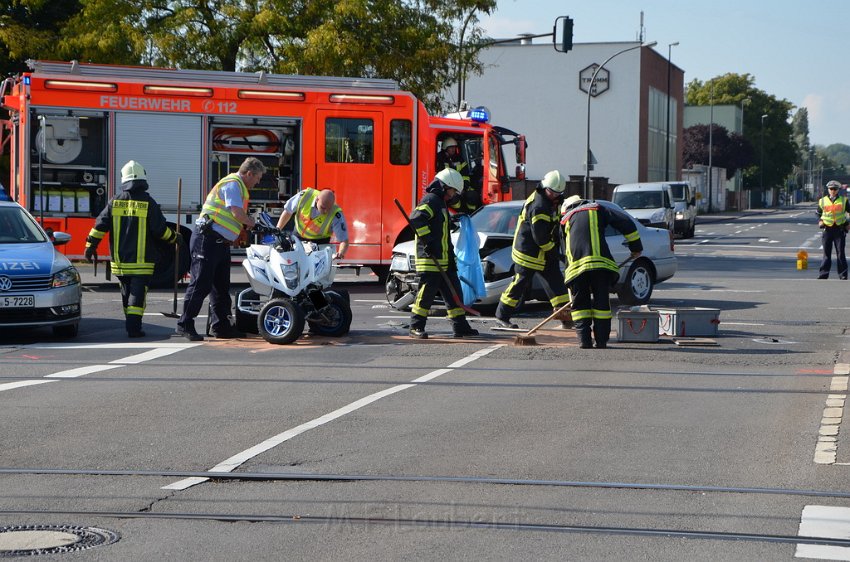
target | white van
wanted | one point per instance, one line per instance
(650, 203)
(685, 208)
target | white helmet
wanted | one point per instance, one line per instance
(132, 170)
(448, 142)
(571, 201)
(451, 178)
(554, 181)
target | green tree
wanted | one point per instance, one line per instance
(779, 150)
(422, 44)
(800, 126)
(30, 29)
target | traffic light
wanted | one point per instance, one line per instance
(562, 34)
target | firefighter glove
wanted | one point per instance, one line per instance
(91, 253)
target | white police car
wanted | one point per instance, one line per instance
(38, 285)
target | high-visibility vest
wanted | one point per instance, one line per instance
(832, 212)
(308, 228)
(218, 211)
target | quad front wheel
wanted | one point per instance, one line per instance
(281, 321)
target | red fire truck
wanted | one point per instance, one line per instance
(72, 126)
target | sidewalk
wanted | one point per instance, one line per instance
(728, 215)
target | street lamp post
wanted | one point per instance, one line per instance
(761, 165)
(667, 143)
(710, 146)
(587, 159)
(740, 172)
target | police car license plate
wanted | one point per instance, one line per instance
(20, 301)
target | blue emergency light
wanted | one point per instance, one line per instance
(479, 114)
(26, 80)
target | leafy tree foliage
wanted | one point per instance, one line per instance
(422, 44)
(730, 150)
(31, 29)
(779, 149)
(838, 153)
(800, 126)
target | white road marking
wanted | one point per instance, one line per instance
(826, 448)
(81, 371)
(155, 351)
(21, 384)
(232, 463)
(828, 522)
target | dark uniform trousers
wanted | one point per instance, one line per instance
(552, 278)
(591, 305)
(833, 236)
(134, 291)
(210, 273)
(431, 283)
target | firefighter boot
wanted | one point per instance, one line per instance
(585, 340)
(462, 329)
(417, 327)
(133, 323)
(601, 333)
(503, 316)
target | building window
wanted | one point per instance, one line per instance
(657, 141)
(350, 141)
(401, 142)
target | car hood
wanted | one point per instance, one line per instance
(410, 249)
(31, 259)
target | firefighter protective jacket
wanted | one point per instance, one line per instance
(536, 235)
(833, 213)
(586, 246)
(430, 221)
(135, 222)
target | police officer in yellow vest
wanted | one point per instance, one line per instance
(223, 216)
(832, 212)
(317, 216)
(135, 222)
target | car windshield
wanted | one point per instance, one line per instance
(496, 219)
(16, 227)
(678, 192)
(638, 199)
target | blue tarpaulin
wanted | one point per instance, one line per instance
(469, 263)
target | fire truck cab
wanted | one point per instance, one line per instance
(72, 126)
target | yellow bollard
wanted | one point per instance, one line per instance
(802, 259)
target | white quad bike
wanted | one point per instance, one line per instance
(290, 285)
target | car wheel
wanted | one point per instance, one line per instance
(637, 288)
(66, 331)
(281, 321)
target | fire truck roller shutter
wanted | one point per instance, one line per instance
(170, 146)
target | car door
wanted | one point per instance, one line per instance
(349, 162)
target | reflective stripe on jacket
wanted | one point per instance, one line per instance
(536, 233)
(134, 221)
(308, 228)
(218, 211)
(586, 246)
(430, 221)
(833, 212)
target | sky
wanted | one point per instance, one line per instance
(795, 50)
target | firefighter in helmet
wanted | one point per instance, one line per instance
(135, 222)
(591, 268)
(832, 218)
(451, 156)
(536, 249)
(431, 225)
